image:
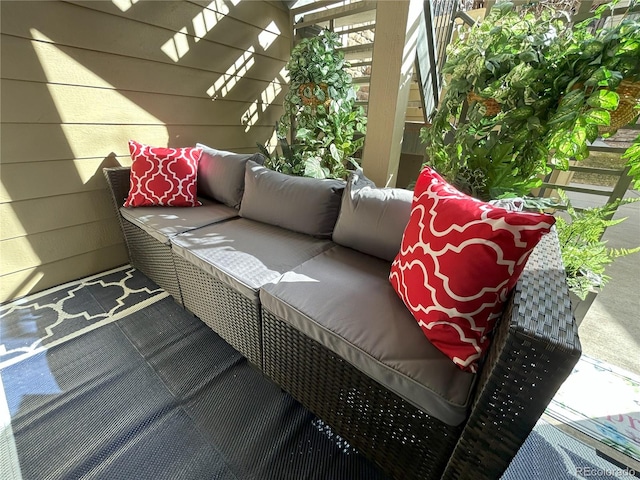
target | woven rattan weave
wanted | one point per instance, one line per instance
(228, 313)
(533, 351)
(152, 258)
(147, 254)
(404, 441)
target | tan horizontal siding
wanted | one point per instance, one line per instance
(415, 114)
(94, 30)
(77, 66)
(257, 13)
(24, 181)
(18, 219)
(210, 18)
(19, 284)
(80, 79)
(414, 93)
(75, 104)
(91, 141)
(22, 253)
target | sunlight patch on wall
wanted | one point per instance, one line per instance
(177, 47)
(283, 75)
(272, 142)
(269, 35)
(65, 98)
(124, 5)
(267, 97)
(19, 284)
(251, 116)
(60, 67)
(205, 21)
(232, 76)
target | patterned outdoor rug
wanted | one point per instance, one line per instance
(603, 402)
(108, 378)
(32, 325)
(551, 454)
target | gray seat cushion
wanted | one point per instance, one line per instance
(343, 300)
(164, 222)
(372, 220)
(305, 205)
(245, 254)
(221, 174)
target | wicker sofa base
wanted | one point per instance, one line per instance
(228, 313)
(534, 348)
(147, 254)
(402, 440)
(152, 258)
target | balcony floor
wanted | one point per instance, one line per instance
(109, 378)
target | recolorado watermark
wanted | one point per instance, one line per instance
(587, 472)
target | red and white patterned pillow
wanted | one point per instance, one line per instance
(458, 261)
(163, 176)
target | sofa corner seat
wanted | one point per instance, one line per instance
(371, 385)
(153, 228)
(318, 308)
(147, 230)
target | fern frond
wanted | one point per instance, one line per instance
(584, 254)
(622, 252)
(632, 156)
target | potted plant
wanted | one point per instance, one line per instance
(325, 127)
(584, 254)
(527, 92)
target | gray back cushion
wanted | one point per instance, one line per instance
(221, 174)
(305, 205)
(372, 220)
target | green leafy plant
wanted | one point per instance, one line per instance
(289, 161)
(584, 254)
(600, 68)
(554, 87)
(321, 118)
(632, 156)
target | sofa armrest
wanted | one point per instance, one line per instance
(118, 182)
(534, 349)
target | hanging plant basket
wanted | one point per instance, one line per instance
(492, 106)
(629, 93)
(307, 93)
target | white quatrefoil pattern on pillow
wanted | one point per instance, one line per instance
(163, 176)
(458, 261)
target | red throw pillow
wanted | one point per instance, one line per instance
(163, 176)
(458, 261)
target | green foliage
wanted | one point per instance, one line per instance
(632, 156)
(555, 86)
(289, 162)
(326, 127)
(584, 254)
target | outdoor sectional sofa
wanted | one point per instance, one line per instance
(294, 273)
